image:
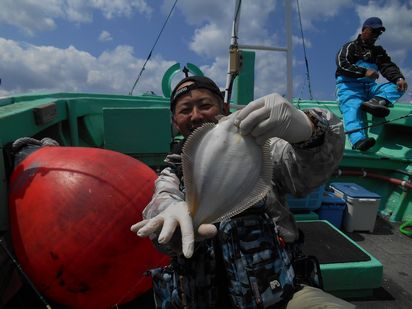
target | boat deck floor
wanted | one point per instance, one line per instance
(394, 250)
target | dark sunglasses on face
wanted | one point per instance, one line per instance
(377, 32)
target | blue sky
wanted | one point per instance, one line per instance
(101, 45)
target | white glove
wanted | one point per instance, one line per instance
(176, 214)
(273, 116)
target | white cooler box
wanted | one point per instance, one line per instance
(362, 206)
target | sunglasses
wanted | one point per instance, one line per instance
(376, 32)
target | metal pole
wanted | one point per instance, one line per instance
(233, 48)
(262, 47)
(289, 54)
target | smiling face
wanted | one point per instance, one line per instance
(196, 108)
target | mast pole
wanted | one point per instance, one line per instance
(234, 52)
(233, 63)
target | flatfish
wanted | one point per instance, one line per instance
(224, 172)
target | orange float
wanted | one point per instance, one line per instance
(71, 209)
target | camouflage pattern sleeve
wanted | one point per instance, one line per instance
(300, 170)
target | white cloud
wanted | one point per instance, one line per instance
(27, 68)
(80, 10)
(116, 70)
(320, 10)
(270, 73)
(212, 39)
(35, 16)
(30, 68)
(253, 19)
(217, 71)
(30, 16)
(215, 18)
(397, 20)
(209, 41)
(105, 36)
(201, 12)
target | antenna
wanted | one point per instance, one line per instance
(287, 49)
(304, 52)
(150, 53)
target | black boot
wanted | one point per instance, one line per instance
(376, 106)
(364, 144)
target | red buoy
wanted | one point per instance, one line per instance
(71, 209)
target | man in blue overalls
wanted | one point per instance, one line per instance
(358, 63)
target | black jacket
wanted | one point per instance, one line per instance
(356, 50)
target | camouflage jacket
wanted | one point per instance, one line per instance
(296, 171)
(213, 277)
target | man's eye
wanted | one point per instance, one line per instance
(206, 106)
(186, 111)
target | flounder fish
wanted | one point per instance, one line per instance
(224, 172)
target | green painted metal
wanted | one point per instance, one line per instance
(79, 119)
(306, 216)
(131, 131)
(167, 79)
(194, 69)
(243, 86)
(171, 72)
(354, 278)
(79, 122)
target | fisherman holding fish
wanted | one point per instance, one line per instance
(219, 208)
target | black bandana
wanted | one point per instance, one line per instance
(199, 82)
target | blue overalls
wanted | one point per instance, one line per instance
(352, 92)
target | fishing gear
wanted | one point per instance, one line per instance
(377, 124)
(20, 269)
(304, 52)
(150, 53)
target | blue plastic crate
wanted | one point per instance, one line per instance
(308, 203)
(332, 209)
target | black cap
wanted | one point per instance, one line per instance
(202, 82)
(374, 23)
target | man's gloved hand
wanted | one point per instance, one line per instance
(176, 214)
(273, 116)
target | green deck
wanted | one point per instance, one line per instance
(350, 279)
(140, 126)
